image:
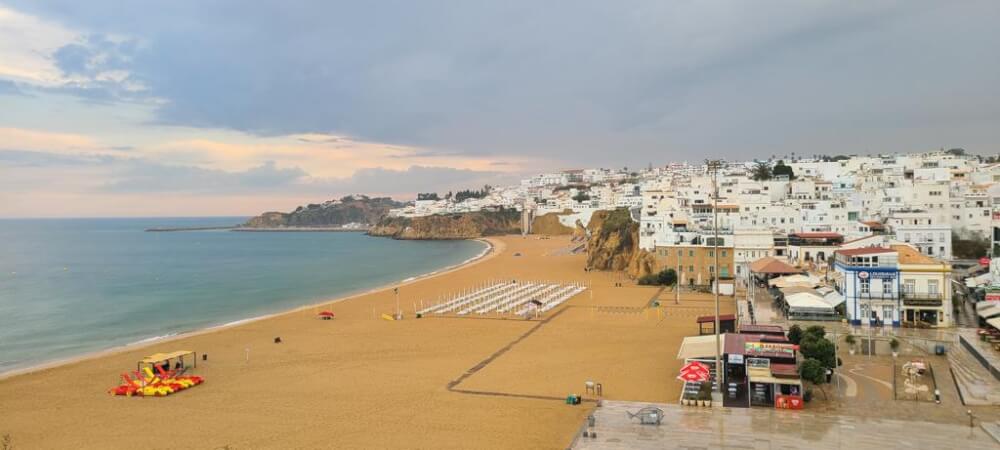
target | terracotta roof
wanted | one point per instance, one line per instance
(778, 369)
(874, 225)
(910, 255)
(865, 251)
(818, 235)
(722, 318)
(762, 329)
(772, 266)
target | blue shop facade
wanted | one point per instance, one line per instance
(869, 280)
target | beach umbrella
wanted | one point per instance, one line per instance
(326, 315)
(694, 371)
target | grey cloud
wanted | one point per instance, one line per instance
(592, 82)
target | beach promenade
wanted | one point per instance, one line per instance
(362, 382)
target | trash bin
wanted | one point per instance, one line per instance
(939, 349)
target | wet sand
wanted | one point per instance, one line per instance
(363, 382)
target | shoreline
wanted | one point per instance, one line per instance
(493, 248)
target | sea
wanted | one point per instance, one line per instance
(69, 287)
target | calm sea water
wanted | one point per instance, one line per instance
(73, 286)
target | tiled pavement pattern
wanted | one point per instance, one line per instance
(693, 428)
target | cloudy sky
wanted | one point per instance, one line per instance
(231, 107)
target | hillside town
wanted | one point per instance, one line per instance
(801, 210)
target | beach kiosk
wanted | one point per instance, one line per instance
(760, 371)
(157, 359)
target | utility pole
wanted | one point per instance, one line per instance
(677, 284)
(713, 166)
(399, 313)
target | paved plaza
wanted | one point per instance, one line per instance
(694, 428)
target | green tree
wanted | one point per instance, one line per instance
(969, 248)
(667, 277)
(816, 330)
(795, 334)
(820, 349)
(761, 171)
(814, 372)
(581, 197)
(781, 169)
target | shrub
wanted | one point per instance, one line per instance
(816, 330)
(648, 280)
(807, 395)
(795, 334)
(894, 344)
(850, 340)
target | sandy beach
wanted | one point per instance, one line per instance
(362, 382)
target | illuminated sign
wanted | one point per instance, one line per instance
(759, 363)
(770, 349)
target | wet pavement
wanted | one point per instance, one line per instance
(686, 427)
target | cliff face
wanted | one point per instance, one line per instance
(351, 209)
(614, 244)
(549, 224)
(449, 226)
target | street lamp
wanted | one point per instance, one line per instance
(713, 166)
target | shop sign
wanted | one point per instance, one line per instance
(769, 348)
(788, 401)
(863, 275)
(758, 363)
(735, 359)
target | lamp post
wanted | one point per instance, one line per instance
(398, 312)
(713, 166)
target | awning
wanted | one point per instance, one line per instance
(807, 302)
(795, 280)
(989, 311)
(978, 280)
(700, 346)
(773, 380)
(772, 266)
(994, 322)
(160, 357)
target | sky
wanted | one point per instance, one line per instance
(227, 107)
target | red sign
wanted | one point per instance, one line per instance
(984, 261)
(788, 401)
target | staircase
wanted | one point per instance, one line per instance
(976, 385)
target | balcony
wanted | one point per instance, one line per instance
(922, 299)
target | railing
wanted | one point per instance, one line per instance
(877, 296)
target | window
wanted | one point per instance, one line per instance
(690, 268)
(711, 253)
(723, 253)
(691, 253)
(886, 286)
(932, 287)
(909, 286)
(711, 269)
(866, 286)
